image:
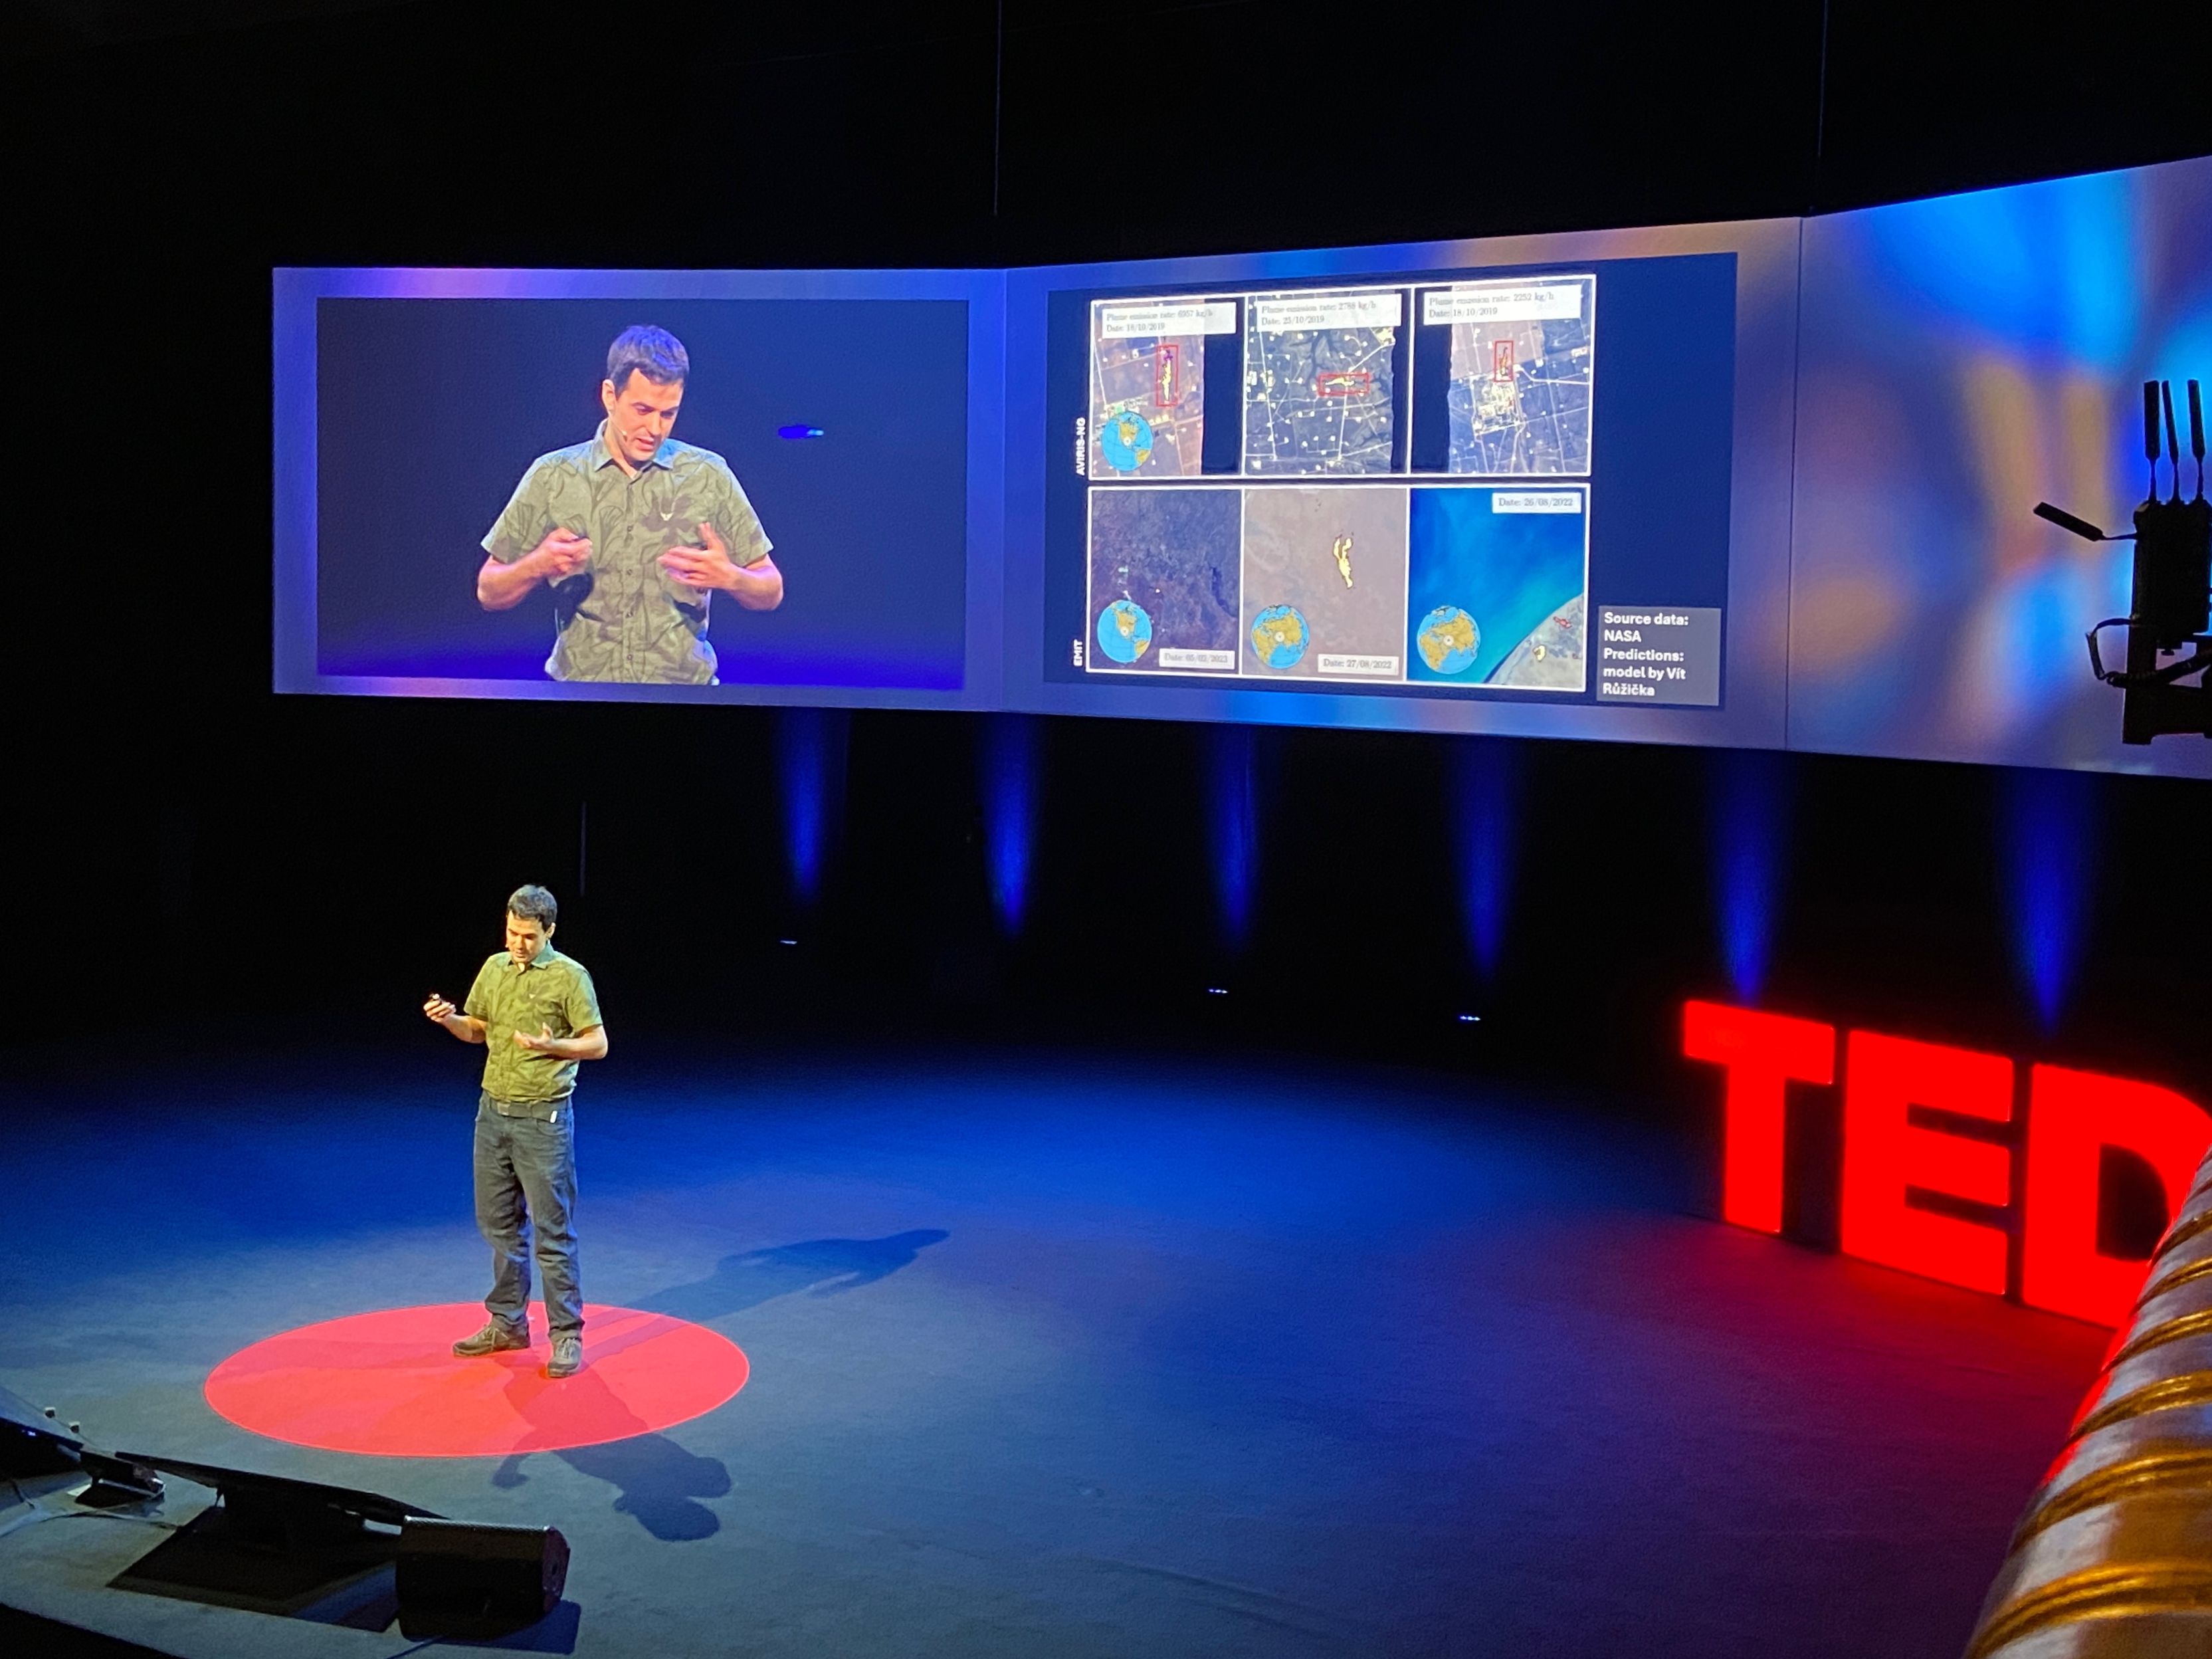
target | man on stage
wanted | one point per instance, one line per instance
(634, 532)
(537, 1015)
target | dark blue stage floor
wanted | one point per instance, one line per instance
(1065, 1353)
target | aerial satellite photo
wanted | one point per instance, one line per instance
(1496, 585)
(1321, 383)
(1522, 357)
(1163, 596)
(1148, 388)
(1325, 582)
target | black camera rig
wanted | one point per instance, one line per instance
(2172, 590)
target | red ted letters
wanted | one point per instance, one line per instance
(1924, 1119)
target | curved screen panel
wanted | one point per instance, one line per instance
(1963, 359)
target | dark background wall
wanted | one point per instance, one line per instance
(184, 851)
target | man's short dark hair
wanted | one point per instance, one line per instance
(533, 903)
(654, 352)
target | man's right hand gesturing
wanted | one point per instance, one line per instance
(560, 555)
(502, 586)
(438, 1011)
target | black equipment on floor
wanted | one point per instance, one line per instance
(292, 1548)
(476, 1583)
(32, 1445)
(300, 1549)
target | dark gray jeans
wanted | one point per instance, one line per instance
(525, 1169)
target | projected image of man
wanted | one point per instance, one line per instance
(633, 532)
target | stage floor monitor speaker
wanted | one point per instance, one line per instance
(476, 1583)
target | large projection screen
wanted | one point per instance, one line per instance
(849, 420)
(1530, 485)
(1768, 483)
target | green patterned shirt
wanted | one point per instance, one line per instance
(552, 992)
(621, 617)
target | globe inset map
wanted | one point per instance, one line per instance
(1279, 636)
(1447, 639)
(1125, 632)
(1125, 439)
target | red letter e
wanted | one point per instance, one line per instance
(1884, 1154)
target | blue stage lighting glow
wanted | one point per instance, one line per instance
(797, 434)
(1235, 824)
(1484, 799)
(1010, 784)
(811, 762)
(1750, 824)
(2050, 862)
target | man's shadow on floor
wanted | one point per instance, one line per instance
(822, 1268)
(661, 1483)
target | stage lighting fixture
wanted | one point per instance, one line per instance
(2172, 589)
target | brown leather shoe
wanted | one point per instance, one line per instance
(568, 1354)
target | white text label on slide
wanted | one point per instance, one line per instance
(1329, 311)
(1123, 322)
(1503, 303)
(1659, 653)
(1536, 501)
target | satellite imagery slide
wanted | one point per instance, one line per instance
(1164, 591)
(1522, 361)
(1325, 582)
(1148, 389)
(1319, 382)
(1497, 582)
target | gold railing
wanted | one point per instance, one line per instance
(2113, 1559)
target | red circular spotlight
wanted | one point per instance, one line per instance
(387, 1383)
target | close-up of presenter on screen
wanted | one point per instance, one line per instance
(633, 532)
